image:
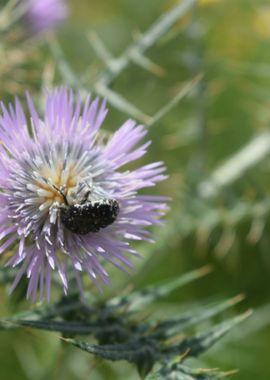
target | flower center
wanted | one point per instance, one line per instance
(57, 173)
(54, 177)
(54, 180)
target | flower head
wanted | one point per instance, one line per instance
(67, 203)
(43, 15)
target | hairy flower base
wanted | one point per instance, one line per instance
(66, 203)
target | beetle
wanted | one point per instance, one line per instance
(88, 215)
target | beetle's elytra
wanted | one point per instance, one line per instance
(89, 216)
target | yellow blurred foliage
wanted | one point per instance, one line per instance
(208, 2)
(262, 21)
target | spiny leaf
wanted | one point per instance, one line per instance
(178, 371)
(147, 64)
(163, 24)
(71, 328)
(147, 40)
(131, 302)
(162, 329)
(144, 351)
(8, 325)
(68, 305)
(136, 300)
(113, 63)
(66, 327)
(198, 344)
(142, 355)
(170, 327)
(101, 51)
(130, 352)
(184, 91)
(133, 53)
(234, 167)
(64, 67)
(120, 103)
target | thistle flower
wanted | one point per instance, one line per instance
(67, 206)
(43, 15)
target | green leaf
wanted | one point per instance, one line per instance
(143, 43)
(136, 300)
(202, 342)
(178, 371)
(168, 328)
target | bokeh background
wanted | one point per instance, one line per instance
(215, 142)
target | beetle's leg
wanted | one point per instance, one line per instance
(85, 198)
(60, 191)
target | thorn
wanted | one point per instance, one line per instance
(238, 298)
(151, 328)
(246, 314)
(231, 372)
(174, 340)
(207, 370)
(203, 271)
(68, 340)
(144, 317)
(183, 355)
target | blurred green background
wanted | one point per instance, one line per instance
(220, 199)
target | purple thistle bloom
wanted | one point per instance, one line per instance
(66, 203)
(43, 15)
